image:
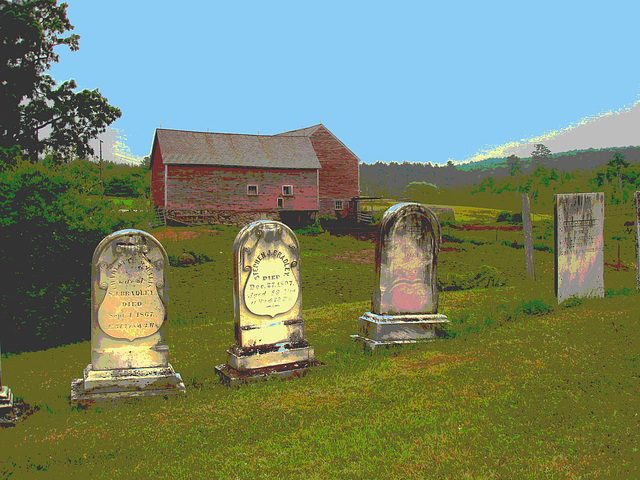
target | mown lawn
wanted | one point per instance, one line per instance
(520, 388)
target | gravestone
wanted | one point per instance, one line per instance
(128, 321)
(579, 245)
(636, 204)
(528, 235)
(6, 396)
(404, 306)
(269, 328)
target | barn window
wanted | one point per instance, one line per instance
(281, 203)
(339, 205)
(252, 189)
(287, 189)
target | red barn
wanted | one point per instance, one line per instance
(232, 178)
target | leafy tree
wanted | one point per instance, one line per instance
(615, 166)
(540, 152)
(30, 100)
(513, 165)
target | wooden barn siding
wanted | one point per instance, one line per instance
(339, 172)
(157, 178)
(225, 188)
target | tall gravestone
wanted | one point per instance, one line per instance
(6, 396)
(128, 321)
(579, 245)
(269, 328)
(636, 204)
(404, 306)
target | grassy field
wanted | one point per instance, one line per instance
(520, 388)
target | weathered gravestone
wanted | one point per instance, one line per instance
(6, 396)
(636, 203)
(405, 298)
(269, 329)
(579, 245)
(128, 321)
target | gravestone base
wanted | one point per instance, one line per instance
(124, 383)
(376, 330)
(268, 356)
(253, 364)
(234, 378)
(6, 399)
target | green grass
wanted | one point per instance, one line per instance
(520, 388)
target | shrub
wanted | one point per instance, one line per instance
(48, 231)
(534, 307)
(488, 276)
(508, 217)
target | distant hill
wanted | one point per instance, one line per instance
(566, 161)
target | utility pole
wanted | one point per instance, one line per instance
(101, 182)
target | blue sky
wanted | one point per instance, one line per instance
(415, 81)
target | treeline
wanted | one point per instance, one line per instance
(52, 216)
(499, 183)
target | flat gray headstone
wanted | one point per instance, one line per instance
(579, 245)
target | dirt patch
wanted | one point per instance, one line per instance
(617, 266)
(354, 256)
(176, 234)
(505, 228)
(447, 249)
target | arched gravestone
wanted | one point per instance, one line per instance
(267, 299)
(579, 242)
(128, 321)
(404, 307)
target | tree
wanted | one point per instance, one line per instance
(615, 165)
(540, 152)
(30, 100)
(513, 165)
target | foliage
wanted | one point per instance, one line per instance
(423, 192)
(30, 99)
(49, 227)
(540, 152)
(513, 165)
(534, 307)
(509, 217)
(488, 276)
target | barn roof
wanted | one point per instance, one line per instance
(230, 149)
(302, 132)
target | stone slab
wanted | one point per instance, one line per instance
(234, 378)
(281, 356)
(123, 383)
(579, 245)
(400, 328)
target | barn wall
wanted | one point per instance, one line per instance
(192, 187)
(157, 178)
(339, 172)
